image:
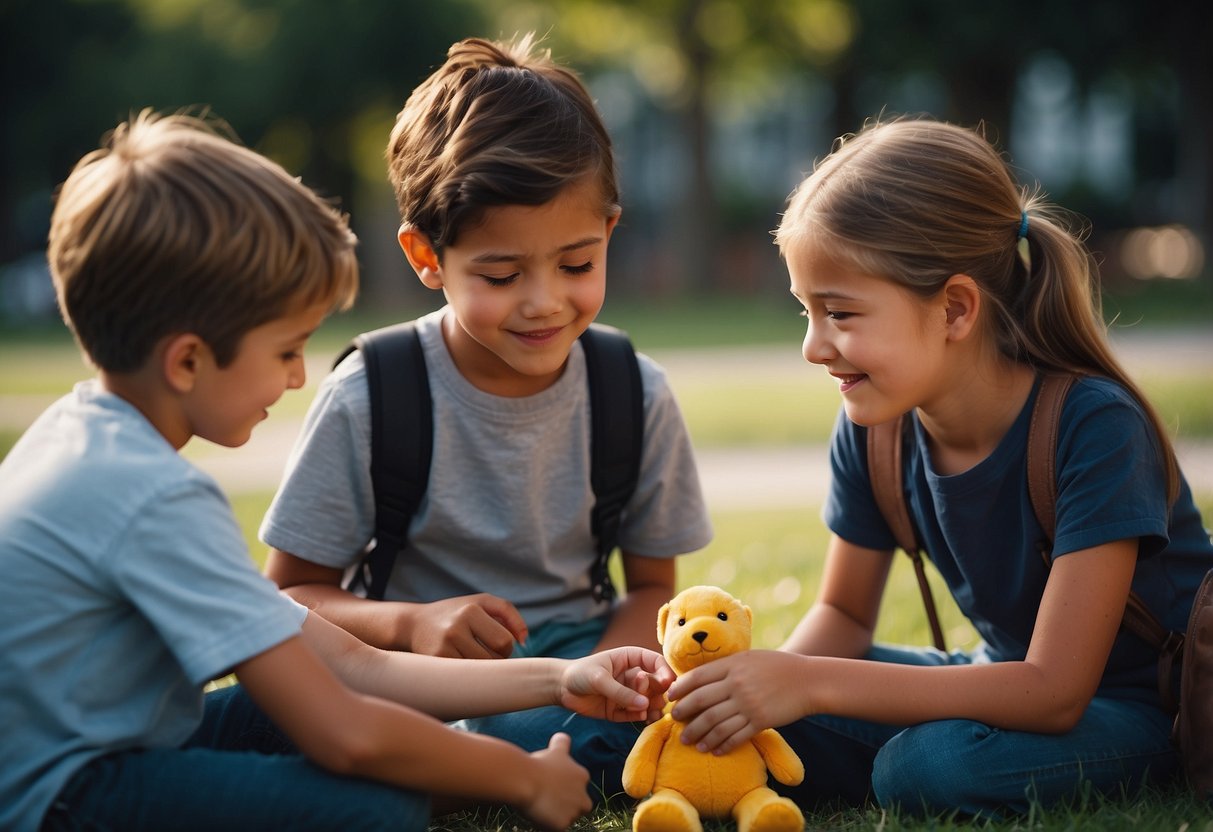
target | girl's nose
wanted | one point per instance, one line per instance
(816, 347)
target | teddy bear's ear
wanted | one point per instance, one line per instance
(662, 615)
(749, 614)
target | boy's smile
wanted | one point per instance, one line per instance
(523, 284)
(229, 402)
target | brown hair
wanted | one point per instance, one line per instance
(917, 201)
(169, 227)
(497, 124)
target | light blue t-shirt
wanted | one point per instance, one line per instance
(980, 531)
(126, 586)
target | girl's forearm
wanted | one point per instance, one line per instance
(1010, 695)
(827, 631)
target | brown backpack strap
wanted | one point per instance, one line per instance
(1042, 450)
(885, 472)
(1042, 490)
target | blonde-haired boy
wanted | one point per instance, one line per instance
(192, 272)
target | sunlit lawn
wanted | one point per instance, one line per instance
(771, 559)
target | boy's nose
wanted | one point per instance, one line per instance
(543, 297)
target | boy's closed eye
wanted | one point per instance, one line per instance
(493, 280)
(583, 268)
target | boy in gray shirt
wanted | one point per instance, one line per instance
(498, 557)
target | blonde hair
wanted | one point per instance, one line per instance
(917, 201)
(169, 227)
(496, 124)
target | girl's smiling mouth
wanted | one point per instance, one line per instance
(848, 380)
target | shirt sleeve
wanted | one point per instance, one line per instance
(850, 509)
(1110, 479)
(667, 514)
(324, 511)
(184, 565)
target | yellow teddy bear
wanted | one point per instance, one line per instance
(701, 624)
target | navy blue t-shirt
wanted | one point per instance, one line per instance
(979, 530)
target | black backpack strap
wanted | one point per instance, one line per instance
(885, 443)
(402, 436)
(616, 440)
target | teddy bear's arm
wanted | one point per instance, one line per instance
(640, 768)
(781, 760)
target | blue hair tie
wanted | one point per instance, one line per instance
(1021, 243)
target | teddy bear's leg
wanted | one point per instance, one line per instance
(764, 811)
(666, 811)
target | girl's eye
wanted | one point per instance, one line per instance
(293, 355)
(587, 266)
(838, 316)
(499, 281)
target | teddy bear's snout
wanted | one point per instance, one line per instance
(700, 636)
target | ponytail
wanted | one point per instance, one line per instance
(919, 201)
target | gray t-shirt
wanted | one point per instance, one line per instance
(507, 507)
(127, 585)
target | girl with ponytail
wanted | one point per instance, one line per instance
(935, 285)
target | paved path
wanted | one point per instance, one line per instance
(781, 477)
(732, 478)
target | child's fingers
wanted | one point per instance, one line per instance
(507, 615)
(560, 742)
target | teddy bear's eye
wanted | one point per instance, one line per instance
(723, 616)
(682, 622)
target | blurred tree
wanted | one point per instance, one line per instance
(313, 83)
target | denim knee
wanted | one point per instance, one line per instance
(937, 767)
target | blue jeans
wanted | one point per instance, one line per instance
(237, 772)
(968, 767)
(599, 745)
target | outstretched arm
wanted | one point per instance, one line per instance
(351, 734)
(479, 626)
(625, 684)
(728, 701)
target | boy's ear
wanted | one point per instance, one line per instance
(180, 361)
(962, 303)
(421, 256)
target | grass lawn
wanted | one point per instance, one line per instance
(771, 559)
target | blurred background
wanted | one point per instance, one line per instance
(718, 108)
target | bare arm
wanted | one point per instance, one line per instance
(624, 684)
(842, 620)
(650, 583)
(730, 700)
(386, 741)
(473, 626)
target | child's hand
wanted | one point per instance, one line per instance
(560, 796)
(726, 702)
(626, 684)
(467, 627)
